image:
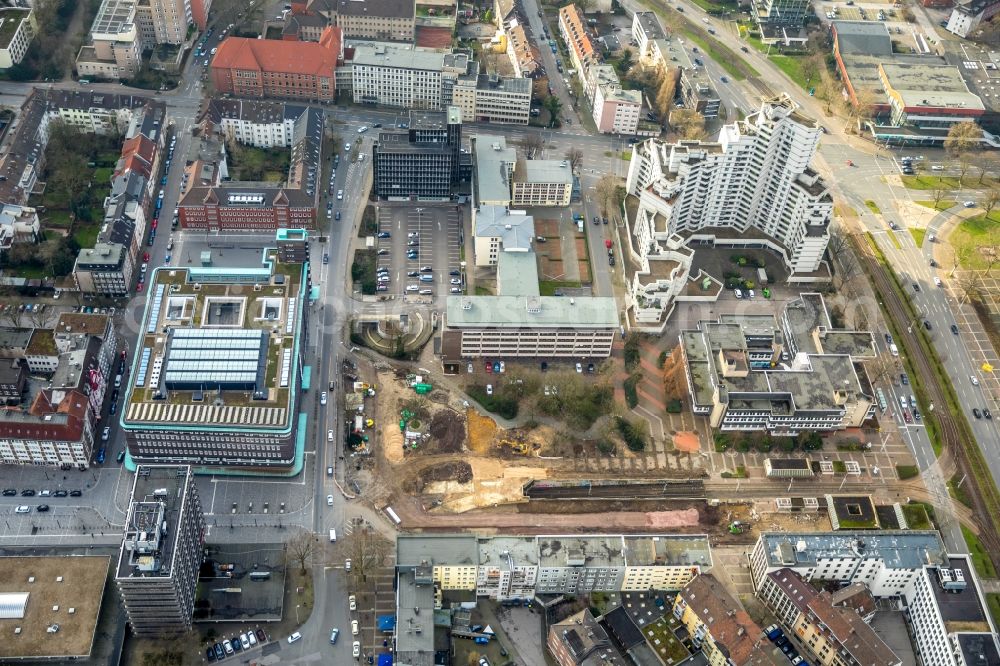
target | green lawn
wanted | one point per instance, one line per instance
(944, 204)
(549, 287)
(873, 207)
(103, 175)
(916, 517)
(86, 235)
(918, 236)
(56, 218)
(792, 67)
(993, 601)
(974, 233)
(907, 471)
(663, 640)
(27, 272)
(980, 558)
(929, 182)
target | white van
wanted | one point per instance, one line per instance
(333, 535)
(893, 349)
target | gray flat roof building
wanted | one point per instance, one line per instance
(413, 550)
(910, 549)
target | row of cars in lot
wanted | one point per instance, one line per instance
(230, 646)
(777, 636)
(41, 508)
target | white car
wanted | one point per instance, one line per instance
(356, 650)
(322, 398)
(470, 368)
(329, 500)
(456, 290)
(362, 129)
(352, 601)
(347, 564)
(347, 147)
(23, 509)
(413, 234)
(489, 389)
(937, 281)
(252, 638)
(244, 641)
(503, 367)
(456, 281)
(106, 435)
(340, 195)
(412, 287)
(294, 637)
(969, 204)
(354, 628)
(974, 380)
(329, 435)
(426, 292)
(579, 367)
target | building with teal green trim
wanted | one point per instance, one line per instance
(217, 372)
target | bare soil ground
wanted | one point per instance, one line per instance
(447, 432)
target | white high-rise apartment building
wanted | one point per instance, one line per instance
(755, 178)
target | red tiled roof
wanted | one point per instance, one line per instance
(276, 55)
(137, 155)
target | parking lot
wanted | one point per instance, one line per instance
(420, 238)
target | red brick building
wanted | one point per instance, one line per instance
(242, 209)
(278, 68)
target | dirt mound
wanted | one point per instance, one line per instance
(482, 430)
(447, 432)
(450, 471)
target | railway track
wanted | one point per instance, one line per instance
(669, 489)
(950, 432)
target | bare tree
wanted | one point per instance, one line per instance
(12, 315)
(965, 160)
(862, 107)
(40, 319)
(532, 144)
(689, 123)
(606, 192)
(666, 91)
(367, 549)
(990, 200)
(575, 158)
(937, 194)
(301, 549)
(881, 368)
(963, 137)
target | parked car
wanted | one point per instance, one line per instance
(294, 637)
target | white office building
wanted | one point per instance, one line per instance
(405, 77)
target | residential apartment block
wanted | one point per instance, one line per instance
(214, 203)
(406, 77)
(739, 378)
(392, 20)
(936, 594)
(422, 161)
(159, 560)
(199, 391)
(582, 640)
(115, 51)
(752, 188)
(277, 68)
(18, 224)
(17, 28)
(657, 50)
(519, 567)
(720, 628)
(780, 21)
(53, 385)
(833, 634)
(573, 29)
(616, 111)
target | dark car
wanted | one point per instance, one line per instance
(888, 339)
(954, 329)
(27, 492)
(121, 456)
(904, 379)
(454, 273)
(237, 646)
(220, 653)
(60, 493)
(927, 325)
(260, 636)
(9, 492)
(590, 367)
(545, 366)
(916, 287)
(611, 261)
(76, 493)
(977, 413)
(101, 455)
(987, 413)
(210, 654)
(42, 508)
